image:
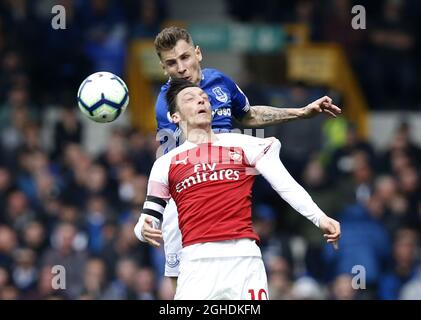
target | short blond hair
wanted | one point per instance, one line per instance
(168, 38)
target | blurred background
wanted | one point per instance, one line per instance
(71, 189)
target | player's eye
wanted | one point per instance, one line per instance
(188, 98)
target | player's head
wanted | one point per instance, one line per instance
(188, 104)
(178, 56)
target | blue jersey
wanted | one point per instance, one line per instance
(226, 100)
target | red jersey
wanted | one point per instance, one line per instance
(211, 185)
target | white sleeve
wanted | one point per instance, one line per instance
(158, 179)
(273, 170)
(156, 199)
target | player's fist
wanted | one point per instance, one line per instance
(151, 233)
(331, 229)
(147, 230)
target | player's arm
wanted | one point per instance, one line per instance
(261, 116)
(147, 228)
(270, 166)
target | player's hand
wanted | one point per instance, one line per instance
(151, 235)
(331, 229)
(321, 105)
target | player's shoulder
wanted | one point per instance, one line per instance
(211, 73)
(161, 101)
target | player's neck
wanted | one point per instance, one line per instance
(199, 78)
(199, 135)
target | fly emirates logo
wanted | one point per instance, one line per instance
(207, 172)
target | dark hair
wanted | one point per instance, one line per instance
(176, 85)
(167, 39)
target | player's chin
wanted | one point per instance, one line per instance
(204, 120)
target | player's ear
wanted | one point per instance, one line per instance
(198, 53)
(163, 68)
(175, 117)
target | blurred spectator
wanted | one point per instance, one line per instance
(8, 244)
(9, 292)
(410, 186)
(364, 241)
(12, 73)
(76, 165)
(306, 288)
(166, 289)
(142, 153)
(341, 288)
(105, 31)
(96, 216)
(64, 252)
(122, 288)
(25, 273)
(98, 183)
(319, 185)
(394, 203)
(67, 130)
(150, 15)
(280, 277)
(126, 188)
(337, 27)
(34, 237)
(145, 284)
(341, 162)
(404, 265)
(125, 244)
(4, 277)
(402, 151)
(62, 63)
(296, 147)
(412, 289)
(18, 212)
(94, 279)
(390, 65)
(6, 185)
(271, 243)
(279, 285)
(359, 186)
(44, 288)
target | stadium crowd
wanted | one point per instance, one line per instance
(61, 205)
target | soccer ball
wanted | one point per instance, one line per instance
(102, 97)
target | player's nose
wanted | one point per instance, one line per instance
(181, 68)
(200, 100)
